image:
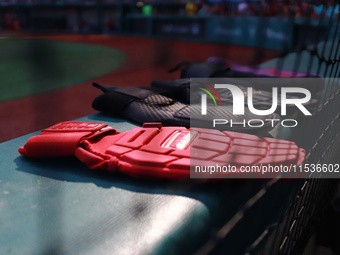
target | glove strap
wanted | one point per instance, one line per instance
(61, 139)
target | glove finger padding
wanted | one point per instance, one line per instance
(153, 151)
(142, 105)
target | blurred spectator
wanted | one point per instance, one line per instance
(265, 8)
(191, 8)
(333, 9)
(147, 9)
(286, 9)
(308, 10)
(219, 9)
(242, 8)
(253, 9)
(319, 8)
(11, 21)
(204, 11)
(298, 9)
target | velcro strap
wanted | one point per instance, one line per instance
(75, 126)
(63, 138)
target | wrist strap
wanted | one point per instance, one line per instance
(61, 139)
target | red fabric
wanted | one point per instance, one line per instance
(154, 151)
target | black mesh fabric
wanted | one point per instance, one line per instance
(310, 199)
(154, 107)
(179, 88)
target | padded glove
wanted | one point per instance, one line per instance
(142, 105)
(154, 151)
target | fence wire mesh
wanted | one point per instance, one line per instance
(292, 230)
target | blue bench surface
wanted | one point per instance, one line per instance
(59, 205)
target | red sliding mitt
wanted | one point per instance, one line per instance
(154, 151)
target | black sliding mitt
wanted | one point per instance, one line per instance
(142, 105)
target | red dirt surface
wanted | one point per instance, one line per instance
(146, 60)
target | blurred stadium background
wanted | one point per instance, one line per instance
(52, 50)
